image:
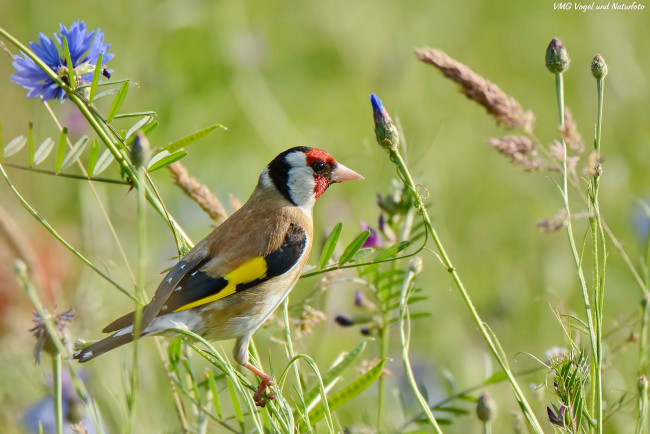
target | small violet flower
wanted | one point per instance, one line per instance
(373, 240)
(84, 47)
(556, 419)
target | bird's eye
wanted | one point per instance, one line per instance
(318, 166)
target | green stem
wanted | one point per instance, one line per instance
(596, 403)
(446, 261)
(140, 282)
(67, 175)
(405, 333)
(291, 353)
(58, 393)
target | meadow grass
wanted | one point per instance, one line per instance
(208, 392)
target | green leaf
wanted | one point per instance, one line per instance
(30, 144)
(164, 159)
(136, 126)
(235, 403)
(335, 371)
(147, 129)
(75, 152)
(2, 145)
(188, 140)
(117, 102)
(114, 90)
(392, 250)
(14, 146)
(103, 162)
(362, 253)
(354, 247)
(68, 62)
(349, 392)
(330, 245)
(92, 158)
(43, 151)
(497, 377)
(95, 81)
(453, 410)
(215, 393)
(60, 149)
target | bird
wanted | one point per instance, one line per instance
(235, 278)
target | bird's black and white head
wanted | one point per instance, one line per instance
(303, 174)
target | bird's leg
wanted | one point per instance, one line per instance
(266, 382)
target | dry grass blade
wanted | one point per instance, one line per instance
(504, 108)
(198, 192)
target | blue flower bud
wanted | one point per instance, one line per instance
(385, 129)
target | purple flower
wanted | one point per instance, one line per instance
(373, 240)
(84, 47)
(559, 417)
(556, 419)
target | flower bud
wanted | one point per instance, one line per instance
(599, 67)
(557, 58)
(344, 321)
(642, 385)
(140, 150)
(486, 408)
(385, 129)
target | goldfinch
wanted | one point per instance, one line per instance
(233, 280)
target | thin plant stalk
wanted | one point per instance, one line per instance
(384, 346)
(48, 321)
(58, 393)
(56, 235)
(109, 223)
(140, 282)
(405, 333)
(596, 378)
(289, 345)
(396, 157)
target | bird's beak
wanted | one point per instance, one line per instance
(342, 173)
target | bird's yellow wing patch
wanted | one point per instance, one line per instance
(250, 271)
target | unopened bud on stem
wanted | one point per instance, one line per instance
(486, 408)
(599, 67)
(385, 129)
(557, 58)
(140, 150)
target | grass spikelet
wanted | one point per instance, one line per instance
(504, 108)
(520, 150)
(198, 192)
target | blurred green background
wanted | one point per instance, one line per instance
(283, 74)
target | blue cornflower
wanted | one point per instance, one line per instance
(84, 47)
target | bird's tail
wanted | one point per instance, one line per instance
(98, 348)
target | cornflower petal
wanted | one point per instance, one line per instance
(84, 46)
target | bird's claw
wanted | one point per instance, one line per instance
(261, 392)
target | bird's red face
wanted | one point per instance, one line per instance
(303, 174)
